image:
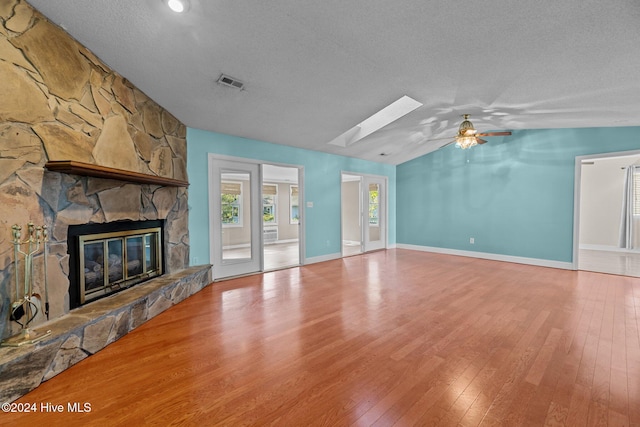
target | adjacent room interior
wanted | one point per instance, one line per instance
(280, 217)
(610, 215)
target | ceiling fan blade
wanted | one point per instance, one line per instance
(494, 134)
(448, 143)
(481, 141)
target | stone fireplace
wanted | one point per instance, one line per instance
(65, 108)
(79, 145)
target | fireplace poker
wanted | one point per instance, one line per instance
(45, 239)
(16, 231)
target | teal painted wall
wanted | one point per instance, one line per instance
(514, 195)
(321, 182)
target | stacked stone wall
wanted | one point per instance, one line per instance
(58, 101)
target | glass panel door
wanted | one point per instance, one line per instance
(235, 218)
(375, 224)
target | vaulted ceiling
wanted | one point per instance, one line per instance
(314, 69)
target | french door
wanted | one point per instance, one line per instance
(374, 199)
(363, 213)
(235, 218)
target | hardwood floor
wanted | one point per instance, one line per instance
(394, 337)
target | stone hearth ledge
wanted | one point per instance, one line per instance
(88, 329)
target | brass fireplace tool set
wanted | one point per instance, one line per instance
(28, 303)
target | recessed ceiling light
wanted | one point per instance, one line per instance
(178, 6)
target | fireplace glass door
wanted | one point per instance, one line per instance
(112, 261)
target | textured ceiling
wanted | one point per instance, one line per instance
(314, 69)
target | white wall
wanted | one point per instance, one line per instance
(351, 211)
(286, 230)
(601, 189)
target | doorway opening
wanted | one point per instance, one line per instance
(280, 216)
(363, 213)
(351, 214)
(606, 228)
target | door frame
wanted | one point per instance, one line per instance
(301, 202)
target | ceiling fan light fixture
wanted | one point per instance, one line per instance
(466, 127)
(465, 142)
(178, 6)
(466, 137)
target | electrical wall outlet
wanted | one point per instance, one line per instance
(472, 240)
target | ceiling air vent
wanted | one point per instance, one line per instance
(230, 81)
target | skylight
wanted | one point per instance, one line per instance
(388, 114)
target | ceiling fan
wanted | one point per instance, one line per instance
(468, 136)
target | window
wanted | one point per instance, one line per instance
(231, 203)
(374, 204)
(294, 211)
(269, 197)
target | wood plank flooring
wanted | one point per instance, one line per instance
(394, 337)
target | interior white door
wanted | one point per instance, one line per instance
(236, 218)
(375, 213)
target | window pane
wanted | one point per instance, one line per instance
(235, 209)
(269, 200)
(373, 204)
(231, 203)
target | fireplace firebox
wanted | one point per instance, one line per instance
(107, 258)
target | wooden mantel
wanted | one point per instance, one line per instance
(88, 169)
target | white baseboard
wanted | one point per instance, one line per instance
(322, 258)
(608, 248)
(490, 256)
